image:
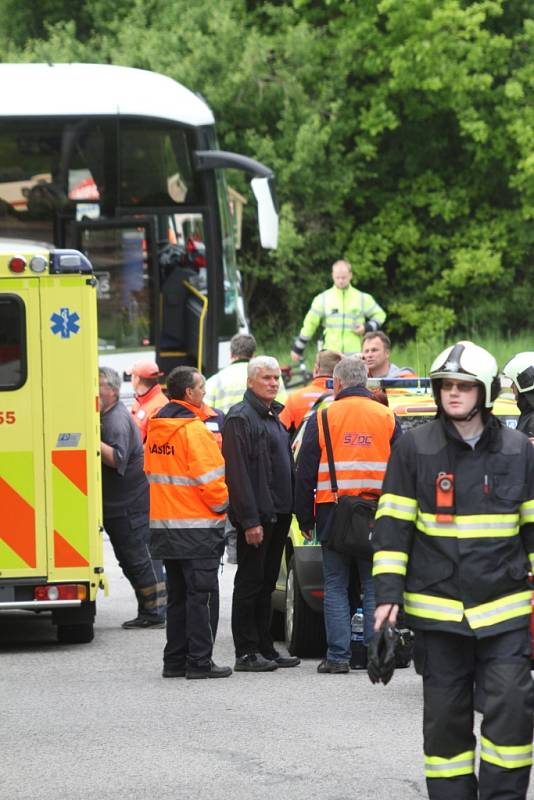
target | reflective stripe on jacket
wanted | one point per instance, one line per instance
(467, 575)
(340, 311)
(361, 430)
(188, 493)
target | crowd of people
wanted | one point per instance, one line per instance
(453, 541)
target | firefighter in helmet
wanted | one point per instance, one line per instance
(454, 535)
(520, 370)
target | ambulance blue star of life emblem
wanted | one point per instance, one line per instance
(65, 323)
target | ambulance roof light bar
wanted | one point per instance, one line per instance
(65, 262)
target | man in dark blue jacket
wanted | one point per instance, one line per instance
(259, 475)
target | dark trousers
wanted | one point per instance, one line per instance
(451, 665)
(192, 587)
(255, 579)
(127, 535)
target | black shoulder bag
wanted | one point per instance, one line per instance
(354, 516)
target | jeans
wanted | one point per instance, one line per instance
(337, 570)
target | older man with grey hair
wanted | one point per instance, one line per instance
(260, 476)
(362, 431)
(125, 496)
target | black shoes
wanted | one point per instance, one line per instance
(143, 622)
(254, 662)
(333, 667)
(283, 661)
(213, 671)
(173, 672)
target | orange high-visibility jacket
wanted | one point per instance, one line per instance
(361, 431)
(146, 406)
(299, 402)
(188, 493)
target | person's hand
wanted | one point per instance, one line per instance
(359, 329)
(531, 440)
(385, 611)
(254, 536)
(308, 535)
(295, 357)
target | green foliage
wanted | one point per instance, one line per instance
(400, 132)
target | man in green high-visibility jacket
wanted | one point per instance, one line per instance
(344, 312)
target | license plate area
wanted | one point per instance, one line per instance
(7, 594)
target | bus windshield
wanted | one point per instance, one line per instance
(136, 183)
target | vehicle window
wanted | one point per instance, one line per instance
(120, 261)
(50, 166)
(155, 166)
(12, 342)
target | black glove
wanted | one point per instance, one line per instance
(381, 654)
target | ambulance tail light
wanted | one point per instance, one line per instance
(61, 591)
(17, 264)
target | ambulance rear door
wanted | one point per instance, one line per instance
(23, 534)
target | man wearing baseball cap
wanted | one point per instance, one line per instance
(149, 396)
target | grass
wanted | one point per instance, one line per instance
(416, 354)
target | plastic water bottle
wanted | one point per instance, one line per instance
(358, 650)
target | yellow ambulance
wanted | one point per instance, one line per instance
(51, 547)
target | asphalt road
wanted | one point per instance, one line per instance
(97, 721)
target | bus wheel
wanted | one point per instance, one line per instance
(75, 634)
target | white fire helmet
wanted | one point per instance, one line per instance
(520, 370)
(465, 361)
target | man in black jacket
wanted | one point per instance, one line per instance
(260, 476)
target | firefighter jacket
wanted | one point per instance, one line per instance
(467, 573)
(362, 431)
(300, 401)
(227, 387)
(525, 404)
(340, 311)
(146, 406)
(188, 494)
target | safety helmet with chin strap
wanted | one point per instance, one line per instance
(520, 370)
(465, 361)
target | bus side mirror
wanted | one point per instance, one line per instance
(267, 213)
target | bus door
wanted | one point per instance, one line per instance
(124, 256)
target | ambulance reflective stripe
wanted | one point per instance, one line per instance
(397, 506)
(476, 526)
(70, 508)
(505, 608)
(508, 757)
(17, 511)
(430, 607)
(390, 561)
(183, 480)
(462, 764)
(526, 512)
(187, 523)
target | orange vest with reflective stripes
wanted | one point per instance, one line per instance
(361, 431)
(185, 470)
(299, 402)
(146, 406)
